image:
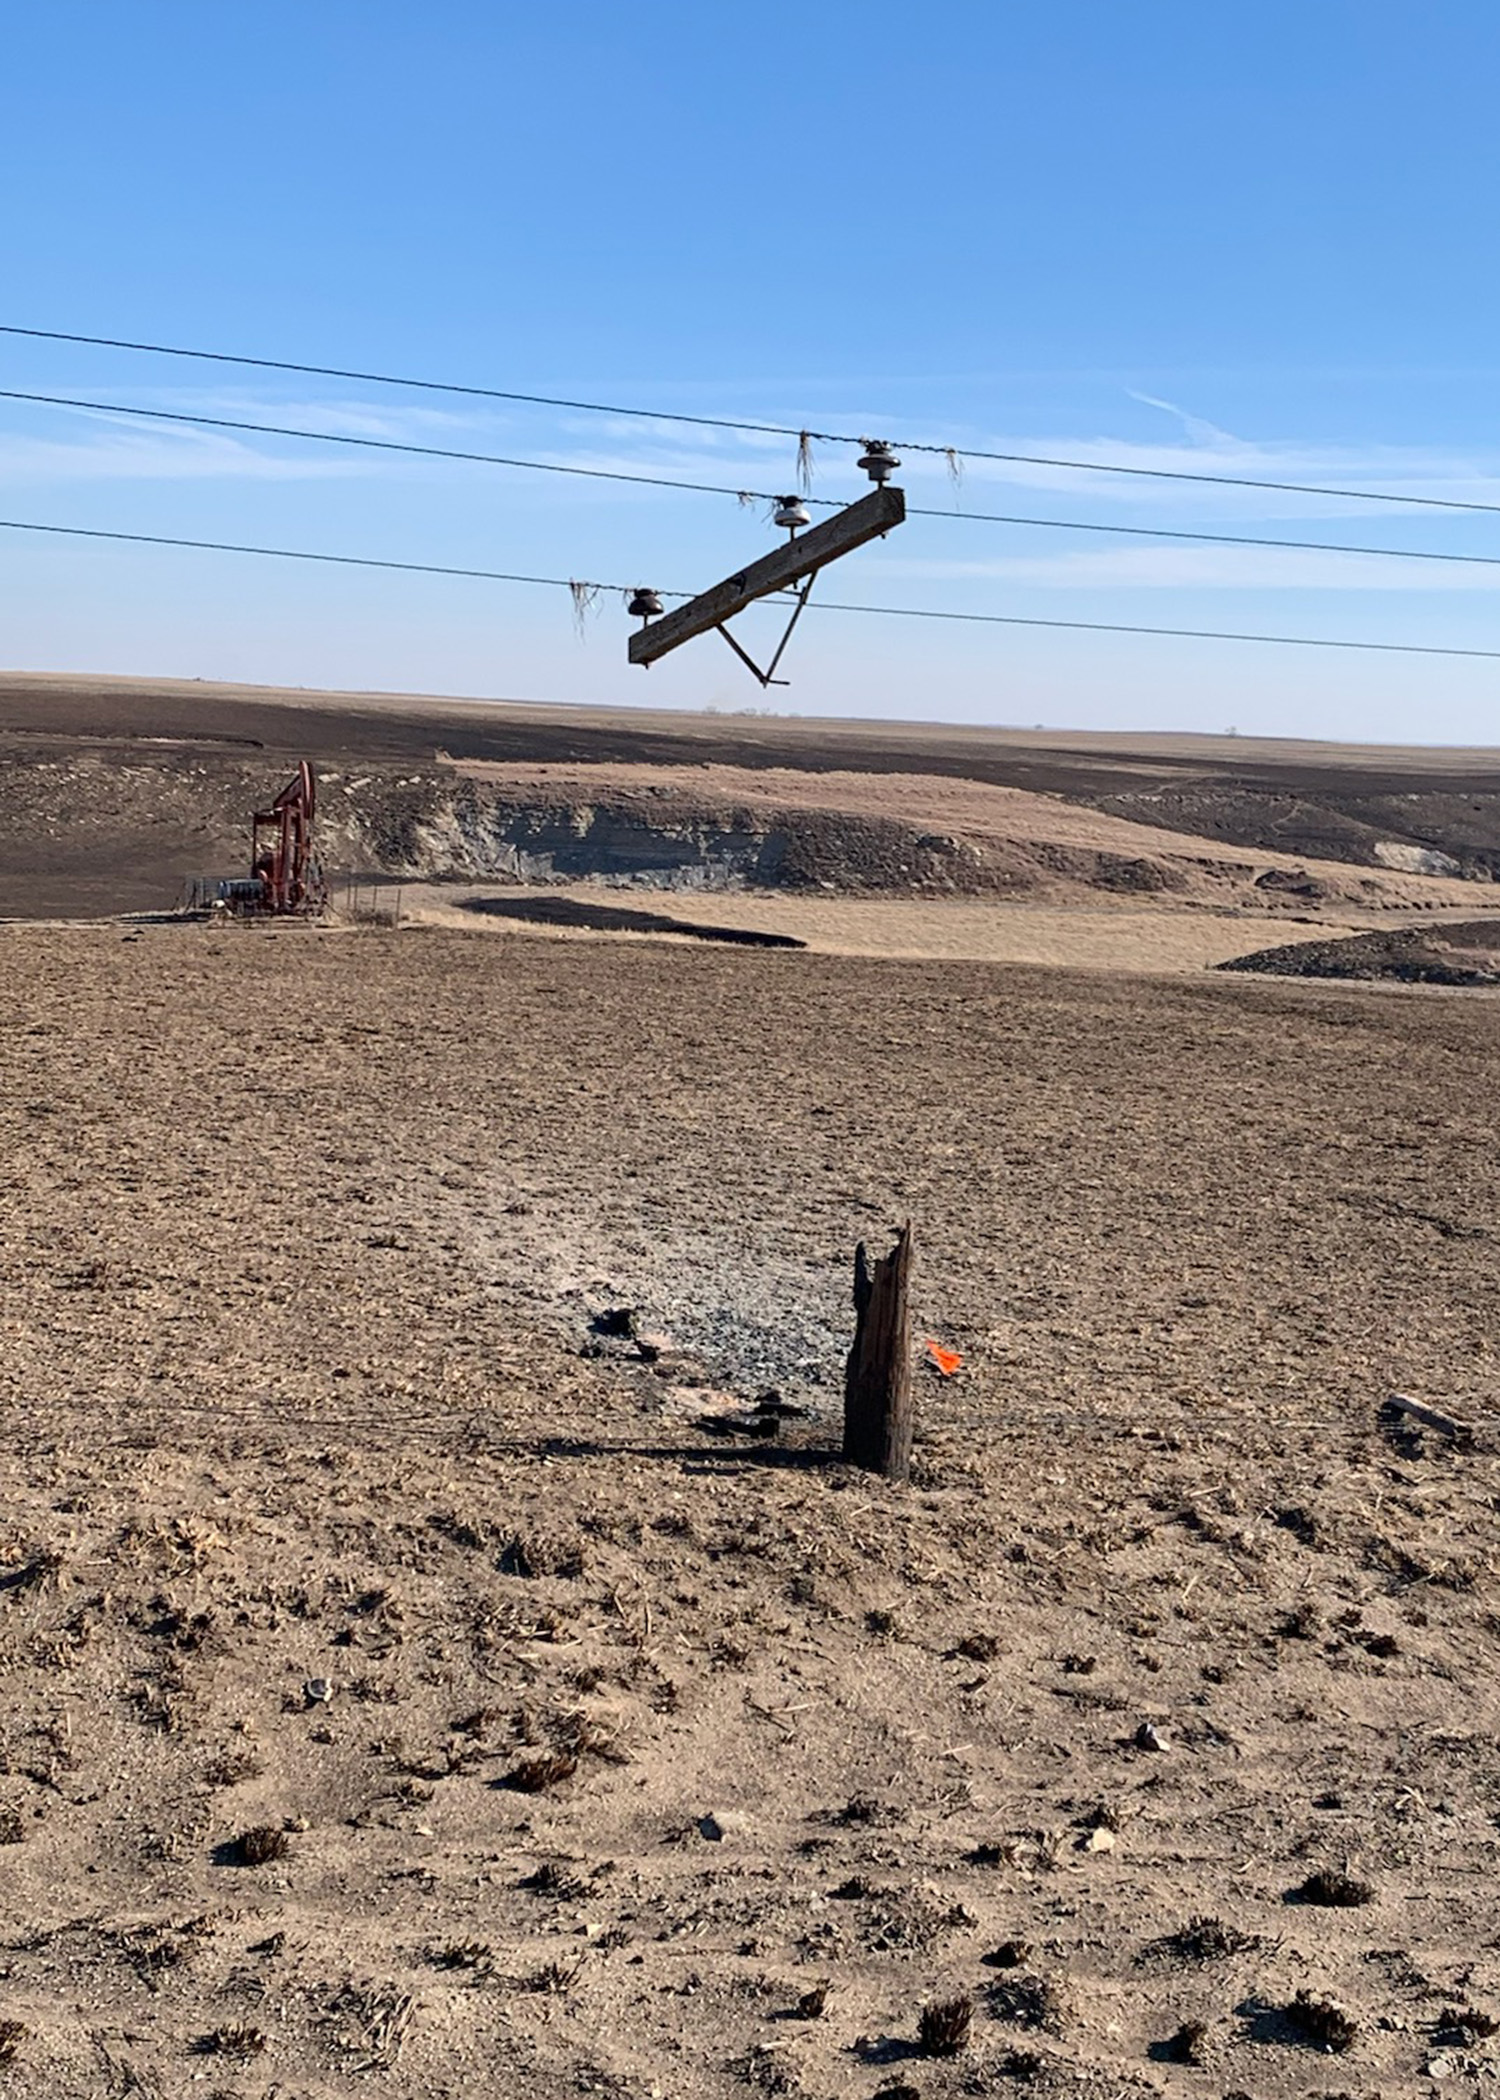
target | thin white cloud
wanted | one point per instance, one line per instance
(118, 453)
(150, 451)
(1196, 428)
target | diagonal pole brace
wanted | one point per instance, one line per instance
(768, 677)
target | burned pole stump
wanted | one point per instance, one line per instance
(877, 1379)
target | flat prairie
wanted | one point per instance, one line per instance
(416, 1683)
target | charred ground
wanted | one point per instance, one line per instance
(115, 790)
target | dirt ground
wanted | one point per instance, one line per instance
(1156, 939)
(585, 1749)
(1087, 937)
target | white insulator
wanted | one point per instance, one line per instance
(878, 461)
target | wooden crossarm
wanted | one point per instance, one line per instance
(776, 571)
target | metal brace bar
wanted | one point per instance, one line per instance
(791, 623)
(748, 661)
(767, 677)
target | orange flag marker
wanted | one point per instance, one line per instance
(947, 1360)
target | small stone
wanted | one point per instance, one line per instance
(1146, 1738)
(317, 1691)
(1439, 2066)
(722, 1823)
(1100, 1840)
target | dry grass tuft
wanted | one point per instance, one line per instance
(1333, 1891)
(943, 2029)
(463, 1954)
(261, 1846)
(577, 1735)
(1201, 1939)
(1027, 2001)
(1464, 2025)
(239, 2042)
(554, 1979)
(533, 1775)
(43, 1566)
(1024, 2065)
(479, 1721)
(232, 1768)
(1322, 2022)
(585, 597)
(551, 1879)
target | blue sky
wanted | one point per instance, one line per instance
(1251, 239)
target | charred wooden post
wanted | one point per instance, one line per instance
(878, 1418)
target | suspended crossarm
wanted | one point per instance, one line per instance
(799, 560)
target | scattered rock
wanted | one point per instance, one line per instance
(617, 1323)
(1010, 1954)
(1147, 1738)
(1461, 2025)
(720, 1824)
(1189, 2045)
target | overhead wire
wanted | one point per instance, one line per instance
(711, 488)
(372, 444)
(898, 612)
(346, 561)
(952, 453)
(1211, 539)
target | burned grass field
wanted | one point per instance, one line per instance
(405, 1691)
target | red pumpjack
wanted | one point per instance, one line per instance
(285, 879)
(281, 855)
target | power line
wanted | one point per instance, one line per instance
(1197, 634)
(953, 453)
(369, 444)
(346, 561)
(710, 488)
(895, 612)
(428, 386)
(1212, 539)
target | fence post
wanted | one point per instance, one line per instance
(878, 1416)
